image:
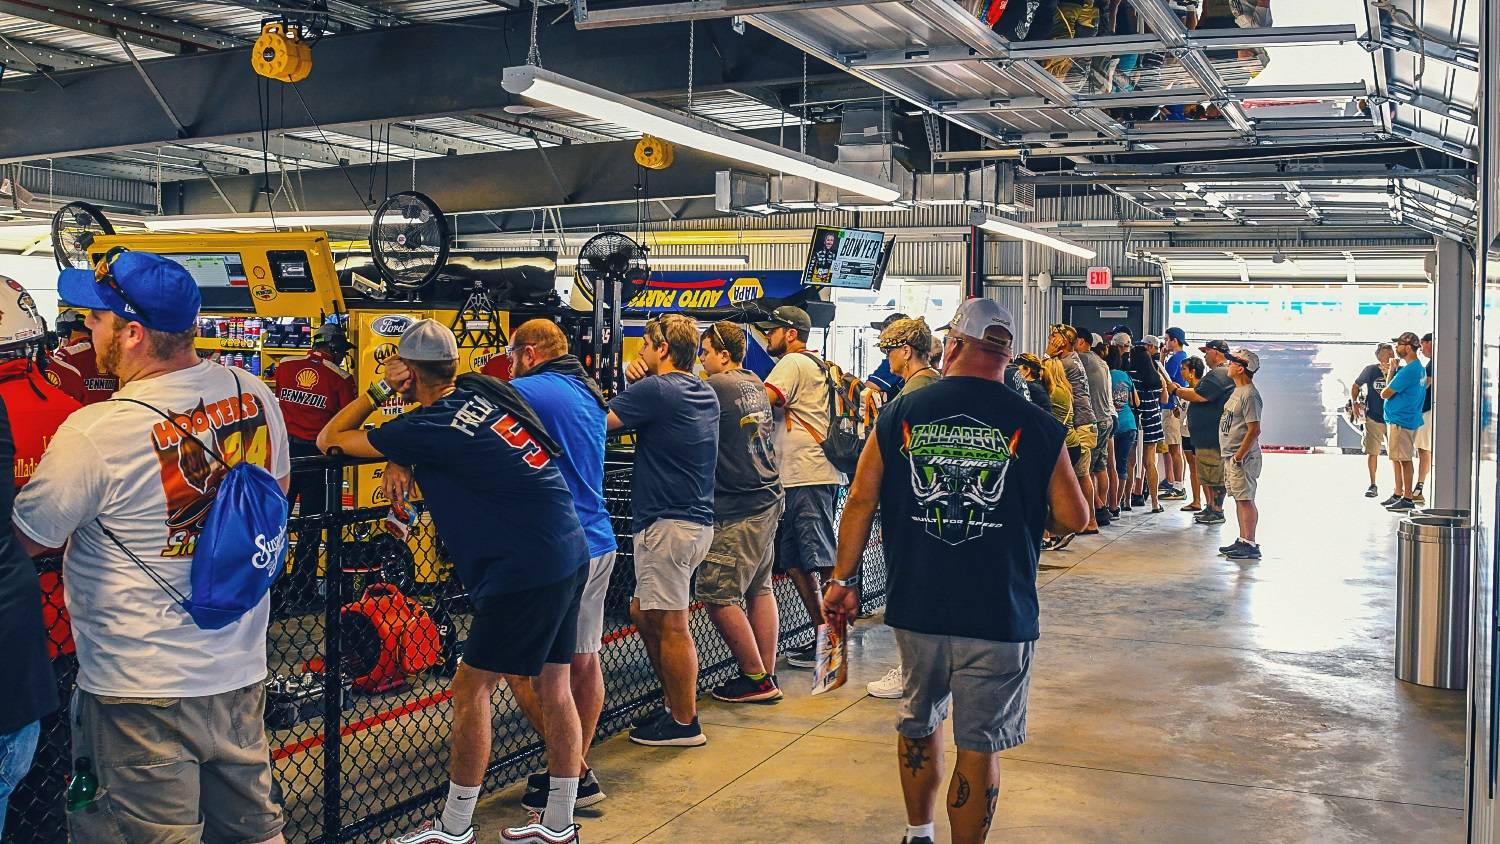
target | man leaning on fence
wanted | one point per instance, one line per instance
(488, 471)
(168, 716)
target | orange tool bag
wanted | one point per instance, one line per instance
(388, 637)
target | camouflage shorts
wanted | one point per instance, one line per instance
(738, 563)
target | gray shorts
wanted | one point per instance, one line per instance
(984, 682)
(666, 554)
(1099, 458)
(591, 607)
(805, 539)
(175, 770)
(738, 563)
(1240, 481)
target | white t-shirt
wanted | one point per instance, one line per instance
(804, 392)
(125, 465)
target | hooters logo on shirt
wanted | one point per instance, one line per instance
(235, 429)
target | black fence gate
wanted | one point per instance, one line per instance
(359, 753)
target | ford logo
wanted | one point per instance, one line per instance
(391, 326)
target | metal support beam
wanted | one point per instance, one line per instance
(1418, 44)
(653, 13)
(1455, 357)
(104, 21)
(24, 56)
(523, 125)
(213, 93)
(1169, 28)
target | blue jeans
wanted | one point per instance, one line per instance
(16, 750)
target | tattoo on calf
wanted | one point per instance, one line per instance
(991, 794)
(963, 791)
(915, 756)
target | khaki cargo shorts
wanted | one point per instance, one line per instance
(175, 770)
(1210, 466)
(1171, 425)
(739, 561)
(1374, 437)
(666, 554)
(1401, 443)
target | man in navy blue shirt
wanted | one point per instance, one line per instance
(505, 514)
(675, 415)
(569, 402)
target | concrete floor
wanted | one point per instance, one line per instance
(1176, 697)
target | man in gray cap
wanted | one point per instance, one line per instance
(1239, 446)
(798, 391)
(965, 473)
(1207, 400)
(487, 468)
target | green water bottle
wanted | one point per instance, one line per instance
(83, 787)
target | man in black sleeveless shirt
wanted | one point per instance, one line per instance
(963, 473)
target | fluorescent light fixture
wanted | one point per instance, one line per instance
(239, 222)
(678, 261)
(1011, 228)
(555, 90)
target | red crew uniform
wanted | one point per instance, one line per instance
(312, 390)
(75, 369)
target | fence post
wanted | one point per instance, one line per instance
(333, 657)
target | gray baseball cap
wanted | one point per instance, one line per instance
(1151, 340)
(427, 339)
(1120, 339)
(788, 316)
(978, 319)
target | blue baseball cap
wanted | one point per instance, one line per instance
(1177, 334)
(158, 292)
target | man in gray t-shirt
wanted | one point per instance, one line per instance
(1239, 445)
(1101, 401)
(1207, 400)
(734, 581)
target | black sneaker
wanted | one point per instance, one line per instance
(1114, 513)
(648, 717)
(1401, 505)
(742, 689)
(1372, 492)
(666, 732)
(920, 839)
(1125, 507)
(1049, 543)
(1174, 495)
(1225, 549)
(1246, 551)
(1137, 501)
(804, 657)
(1209, 517)
(1101, 515)
(1389, 501)
(535, 797)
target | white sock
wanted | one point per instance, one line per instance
(458, 812)
(915, 832)
(560, 798)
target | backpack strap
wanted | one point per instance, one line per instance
(832, 396)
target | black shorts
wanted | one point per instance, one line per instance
(518, 632)
(805, 537)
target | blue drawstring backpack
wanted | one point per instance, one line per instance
(242, 549)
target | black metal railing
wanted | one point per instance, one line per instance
(360, 751)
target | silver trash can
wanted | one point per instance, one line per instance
(1432, 599)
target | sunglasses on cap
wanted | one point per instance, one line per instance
(891, 345)
(104, 274)
(1236, 359)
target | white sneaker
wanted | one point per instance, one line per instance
(536, 833)
(888, 687)
(431, 832)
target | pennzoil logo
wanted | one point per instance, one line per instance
(263, 292)
(392, 325)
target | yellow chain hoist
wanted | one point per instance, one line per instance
(653, 153)
(282, 52)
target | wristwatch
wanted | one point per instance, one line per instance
(848, 583)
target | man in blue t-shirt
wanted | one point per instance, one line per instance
(488, 470)
(1404, 393)
(570, 404)
(675, 415)
(1172, 413)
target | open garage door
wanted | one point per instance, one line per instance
(1313, 336)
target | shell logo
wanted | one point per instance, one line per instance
(52, 378)
(307, 379)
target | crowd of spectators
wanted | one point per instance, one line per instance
(1393, 397)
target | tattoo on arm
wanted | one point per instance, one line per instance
(915, 756)
(963, 791)
(991, 795)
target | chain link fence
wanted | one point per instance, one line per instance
(365, 632)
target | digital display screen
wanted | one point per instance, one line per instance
(848, 258)
(213, 269)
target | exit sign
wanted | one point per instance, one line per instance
(1100, 278)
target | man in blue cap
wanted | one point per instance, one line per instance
(153, 686)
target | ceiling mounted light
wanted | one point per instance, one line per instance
(677, 260)
(240, 222)
(1011, 228)
(561, 92)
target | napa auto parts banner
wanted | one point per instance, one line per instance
(681, 291)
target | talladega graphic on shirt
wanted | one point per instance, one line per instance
(958, 468)
(189, 477)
